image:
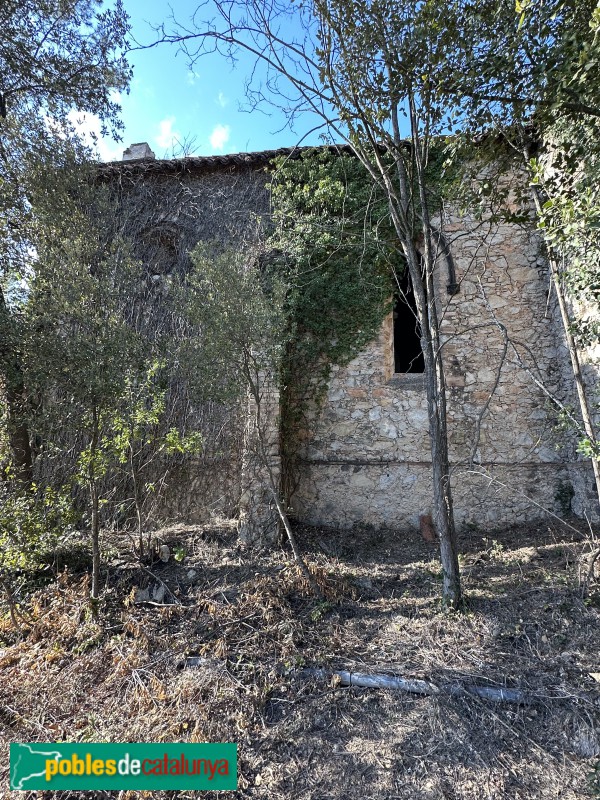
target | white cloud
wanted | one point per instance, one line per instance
(192, 77)
(219, 137)
(167, 136)
(222, 100)
(89, 127)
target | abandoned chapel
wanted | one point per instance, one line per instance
(365, 456)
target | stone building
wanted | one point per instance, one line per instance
(365, 456)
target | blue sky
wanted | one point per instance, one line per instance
(168, 102)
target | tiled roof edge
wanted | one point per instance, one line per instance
(214, 163)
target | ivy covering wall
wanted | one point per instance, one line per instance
(333, 246)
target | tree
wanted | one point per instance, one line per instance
(139, 436)
(363, 67)
(240, 314)
(101, 351)
(57, 57)
(78, 348)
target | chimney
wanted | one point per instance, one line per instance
(138, 151)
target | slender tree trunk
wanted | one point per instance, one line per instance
(443, 513)
(140, 526)
(138, 503)
(16, 399)
(421, 273)
(95, 541)
(588, 423)
(401, 199)
(95, 522)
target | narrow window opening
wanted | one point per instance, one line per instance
(408, 354)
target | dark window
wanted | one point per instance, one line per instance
(408, 355)
(158, 249)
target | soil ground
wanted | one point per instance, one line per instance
(212, 647)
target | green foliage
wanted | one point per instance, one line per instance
(588, 449)
(335, 252)
(239, 314)
(32, 522)
(322, 608)
(188, 444)
(564, 496)
(524, 81)
(339, 256)
(145, 404)
(78, 347)
(56, 55)
(137, 421)
(136, 434)
(179, 554)
(316, 298)
(102, 410)
(569, 176)
(57, 58)
(507, 66)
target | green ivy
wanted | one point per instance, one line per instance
(335, 251)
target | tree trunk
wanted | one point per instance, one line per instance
(95, 592)
(18, 431)
(588, 423)
(443, 515)
(16, 399)
(422, 278)
(95, 523)
(138, 502)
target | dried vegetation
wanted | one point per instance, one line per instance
(221, 659)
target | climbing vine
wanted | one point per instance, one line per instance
(333, 246)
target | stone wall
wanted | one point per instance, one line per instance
(366, 457)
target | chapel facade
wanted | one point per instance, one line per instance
(364, 458)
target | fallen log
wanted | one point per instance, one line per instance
(496, 694)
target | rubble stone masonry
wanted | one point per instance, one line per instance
(366, 456)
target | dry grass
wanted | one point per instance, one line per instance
(222, 665)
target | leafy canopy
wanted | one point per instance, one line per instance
(59, 55)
